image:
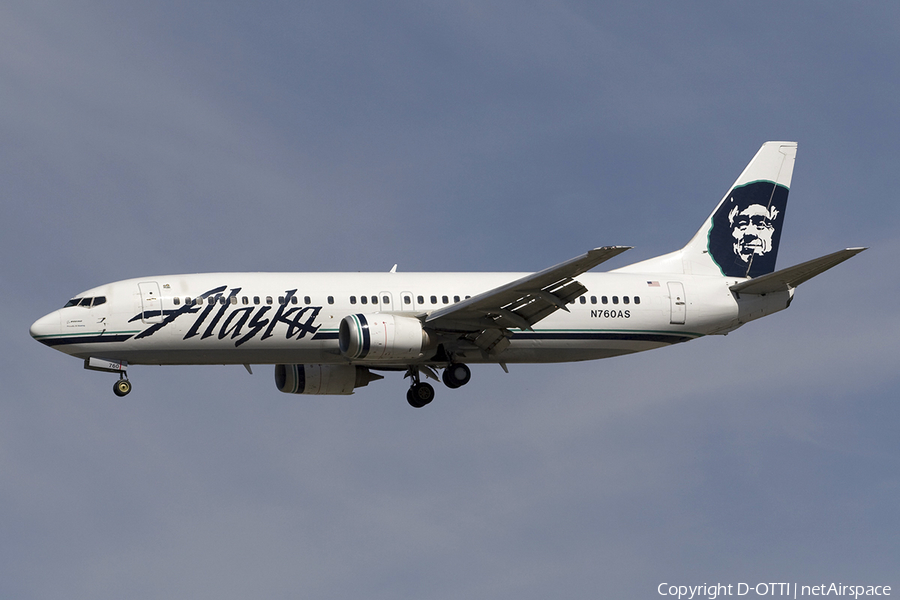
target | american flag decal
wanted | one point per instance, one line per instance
(653, 283)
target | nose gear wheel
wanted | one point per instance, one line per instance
(122, 387)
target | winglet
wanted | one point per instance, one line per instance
(791, 277)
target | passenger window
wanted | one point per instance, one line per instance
(210, 300)
(294, 299)
(223, 300)
(583, 300)
(255, 299)
(445, 299)
(625, 299)
(187, 300)
(268, 299)
(615, 299)
(374, 299)
(234, 299)
(352, 299)
(330, 299)
(456, 298)
(637, 299)
(604, 300)
(593, 299)
(307, 300)
(176, 300)
(245, 300)
(281, 300)
(385, 300)
(420, 300)
(364, 300)
(407, 300)
(434, 299)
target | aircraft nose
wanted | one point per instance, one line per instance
(45, 327)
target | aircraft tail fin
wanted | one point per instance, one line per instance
(741, 237)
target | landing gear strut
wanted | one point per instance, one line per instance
(420, 393)
(122, 386)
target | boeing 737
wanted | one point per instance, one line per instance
(330, 333)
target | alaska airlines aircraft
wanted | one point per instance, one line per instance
(327, 333)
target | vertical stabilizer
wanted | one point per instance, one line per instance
(741, 237)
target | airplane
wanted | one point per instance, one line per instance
(331, 333)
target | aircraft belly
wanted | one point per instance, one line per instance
(169, 348)
(232, 357)
(580, 346)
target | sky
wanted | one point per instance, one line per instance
(147, 138)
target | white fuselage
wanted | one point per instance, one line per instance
(293, 318)
(326, 332)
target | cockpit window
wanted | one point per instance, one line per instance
(86, 302)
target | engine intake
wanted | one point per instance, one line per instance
(377, 337)
(322, 379)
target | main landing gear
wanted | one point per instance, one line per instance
(122, 387)
(456, 375)
(422, 393)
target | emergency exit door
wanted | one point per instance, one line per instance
(677, 303)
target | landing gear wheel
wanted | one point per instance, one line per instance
(122, 387)
(456, 375)
(420, 394)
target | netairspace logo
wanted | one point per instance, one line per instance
(713, 591)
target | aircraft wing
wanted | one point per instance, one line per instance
(791, 277)
(519, 304)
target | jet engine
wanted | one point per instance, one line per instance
(378, 337)
(322, 379)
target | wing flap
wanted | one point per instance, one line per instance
(791, 277)
(522, 303)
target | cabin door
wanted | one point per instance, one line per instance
(151, 302)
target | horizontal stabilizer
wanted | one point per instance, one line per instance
(791, 277)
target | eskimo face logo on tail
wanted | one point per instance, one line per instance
(746, 229)
(752, 229)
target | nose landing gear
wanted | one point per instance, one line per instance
(122, 386)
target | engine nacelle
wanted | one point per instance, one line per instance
(322, 379)
(377, 337)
